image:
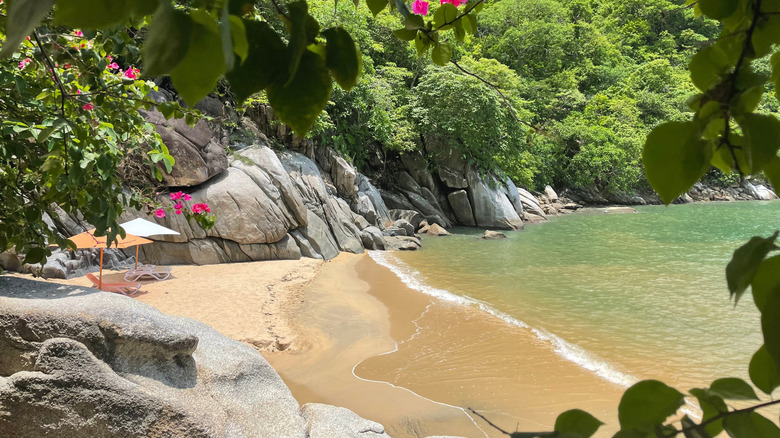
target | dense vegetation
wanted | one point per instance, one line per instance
(562, 92)
(582, 82)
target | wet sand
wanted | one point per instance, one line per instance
(416, 364)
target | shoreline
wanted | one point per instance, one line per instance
(349, 332)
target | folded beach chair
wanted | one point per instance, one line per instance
(156, 272)
(124, 288)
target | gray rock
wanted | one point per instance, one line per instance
(513, 194)
(326, 421)
(344, 177)
(361, 223)
(319, 236)
(551, 195)
(429, 212)
(372, 238)
(450, 167)
(405, 225)
(491, 206)
(411, 216)
(407, 183)
(436, 230)
(530, 203)
(306, 248)
(198, 154)
(493, 235)
(367, 191)
(402, 243)
(395, 231)
(86, 363)
(461, 207)
(395, 202)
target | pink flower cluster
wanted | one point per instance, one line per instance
(420, 7)
(24, 63)
(179, 206)
(131, 72)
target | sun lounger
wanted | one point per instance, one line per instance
(156, 272)
(124, 288)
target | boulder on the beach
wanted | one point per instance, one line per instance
(326, 421)
(436, 230)
(493, 235)
(402, 243)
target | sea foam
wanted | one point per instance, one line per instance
(565, 349)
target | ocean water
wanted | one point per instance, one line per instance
(624, 296)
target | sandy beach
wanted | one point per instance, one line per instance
(349, 332)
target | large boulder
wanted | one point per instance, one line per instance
(450, 167)
(78, 362)
(370, 203)
(492, 208)
(326, 421)
(461, 207)
(199, 156)
(530, 203)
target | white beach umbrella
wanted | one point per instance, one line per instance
(144, 228)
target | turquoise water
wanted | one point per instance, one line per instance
(638, 295)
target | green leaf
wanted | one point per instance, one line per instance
(772, 171)
(261, 67)
(405, 34)
(23, 17)
(770, 325)
(718, 9)
(765, 35)
(421, 43)
(744, 263)
(470, 23)
(762, 139)
(750, 425)
(101, 13)
(693, 430)
(577, 421)
(226, 37)
(376, 6)
(341, 57)
(707, 66)
(299, 102)
(766, 282)
(197, 74)
(238, 35)
(764, 372)
(675, 158)
(35, 255)
(711, 405)
(445, 15)
(442, 53)
(732, 388)
(302, 28)
(414, 22)
(168, 41)
(648, 404)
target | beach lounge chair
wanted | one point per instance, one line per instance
(156, 272)
(124, 288)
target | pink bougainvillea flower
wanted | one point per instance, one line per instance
(160, 212)
(206, 208)
(89, 107)
(67, 65)
(113, 66)
(179, 206)
(109, 58)
(24, 63)
(197, 209)
(187, 197)
(131, 73)
(177, 211)
(420, 7)
(78, 33)
(177, 195)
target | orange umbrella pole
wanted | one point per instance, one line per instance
(136, 257)
(100, 281)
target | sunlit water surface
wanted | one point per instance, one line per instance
(630, 296)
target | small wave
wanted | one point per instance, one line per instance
(567, 350)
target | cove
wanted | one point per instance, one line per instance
(627, 297)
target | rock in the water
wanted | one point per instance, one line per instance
(403, 243)
(491, 207)
(405, 225)
(436, 230)
(551, 195)
(493, 235)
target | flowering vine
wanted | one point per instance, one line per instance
(201, 212)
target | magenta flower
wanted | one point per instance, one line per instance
(131, 73)
(179, 206)
(24, 63)
(89, 107)
(113, 66)
(160, 212)
(177, 211)
(177, 195)
(187, 197)
(420, 7)
(78, 33)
